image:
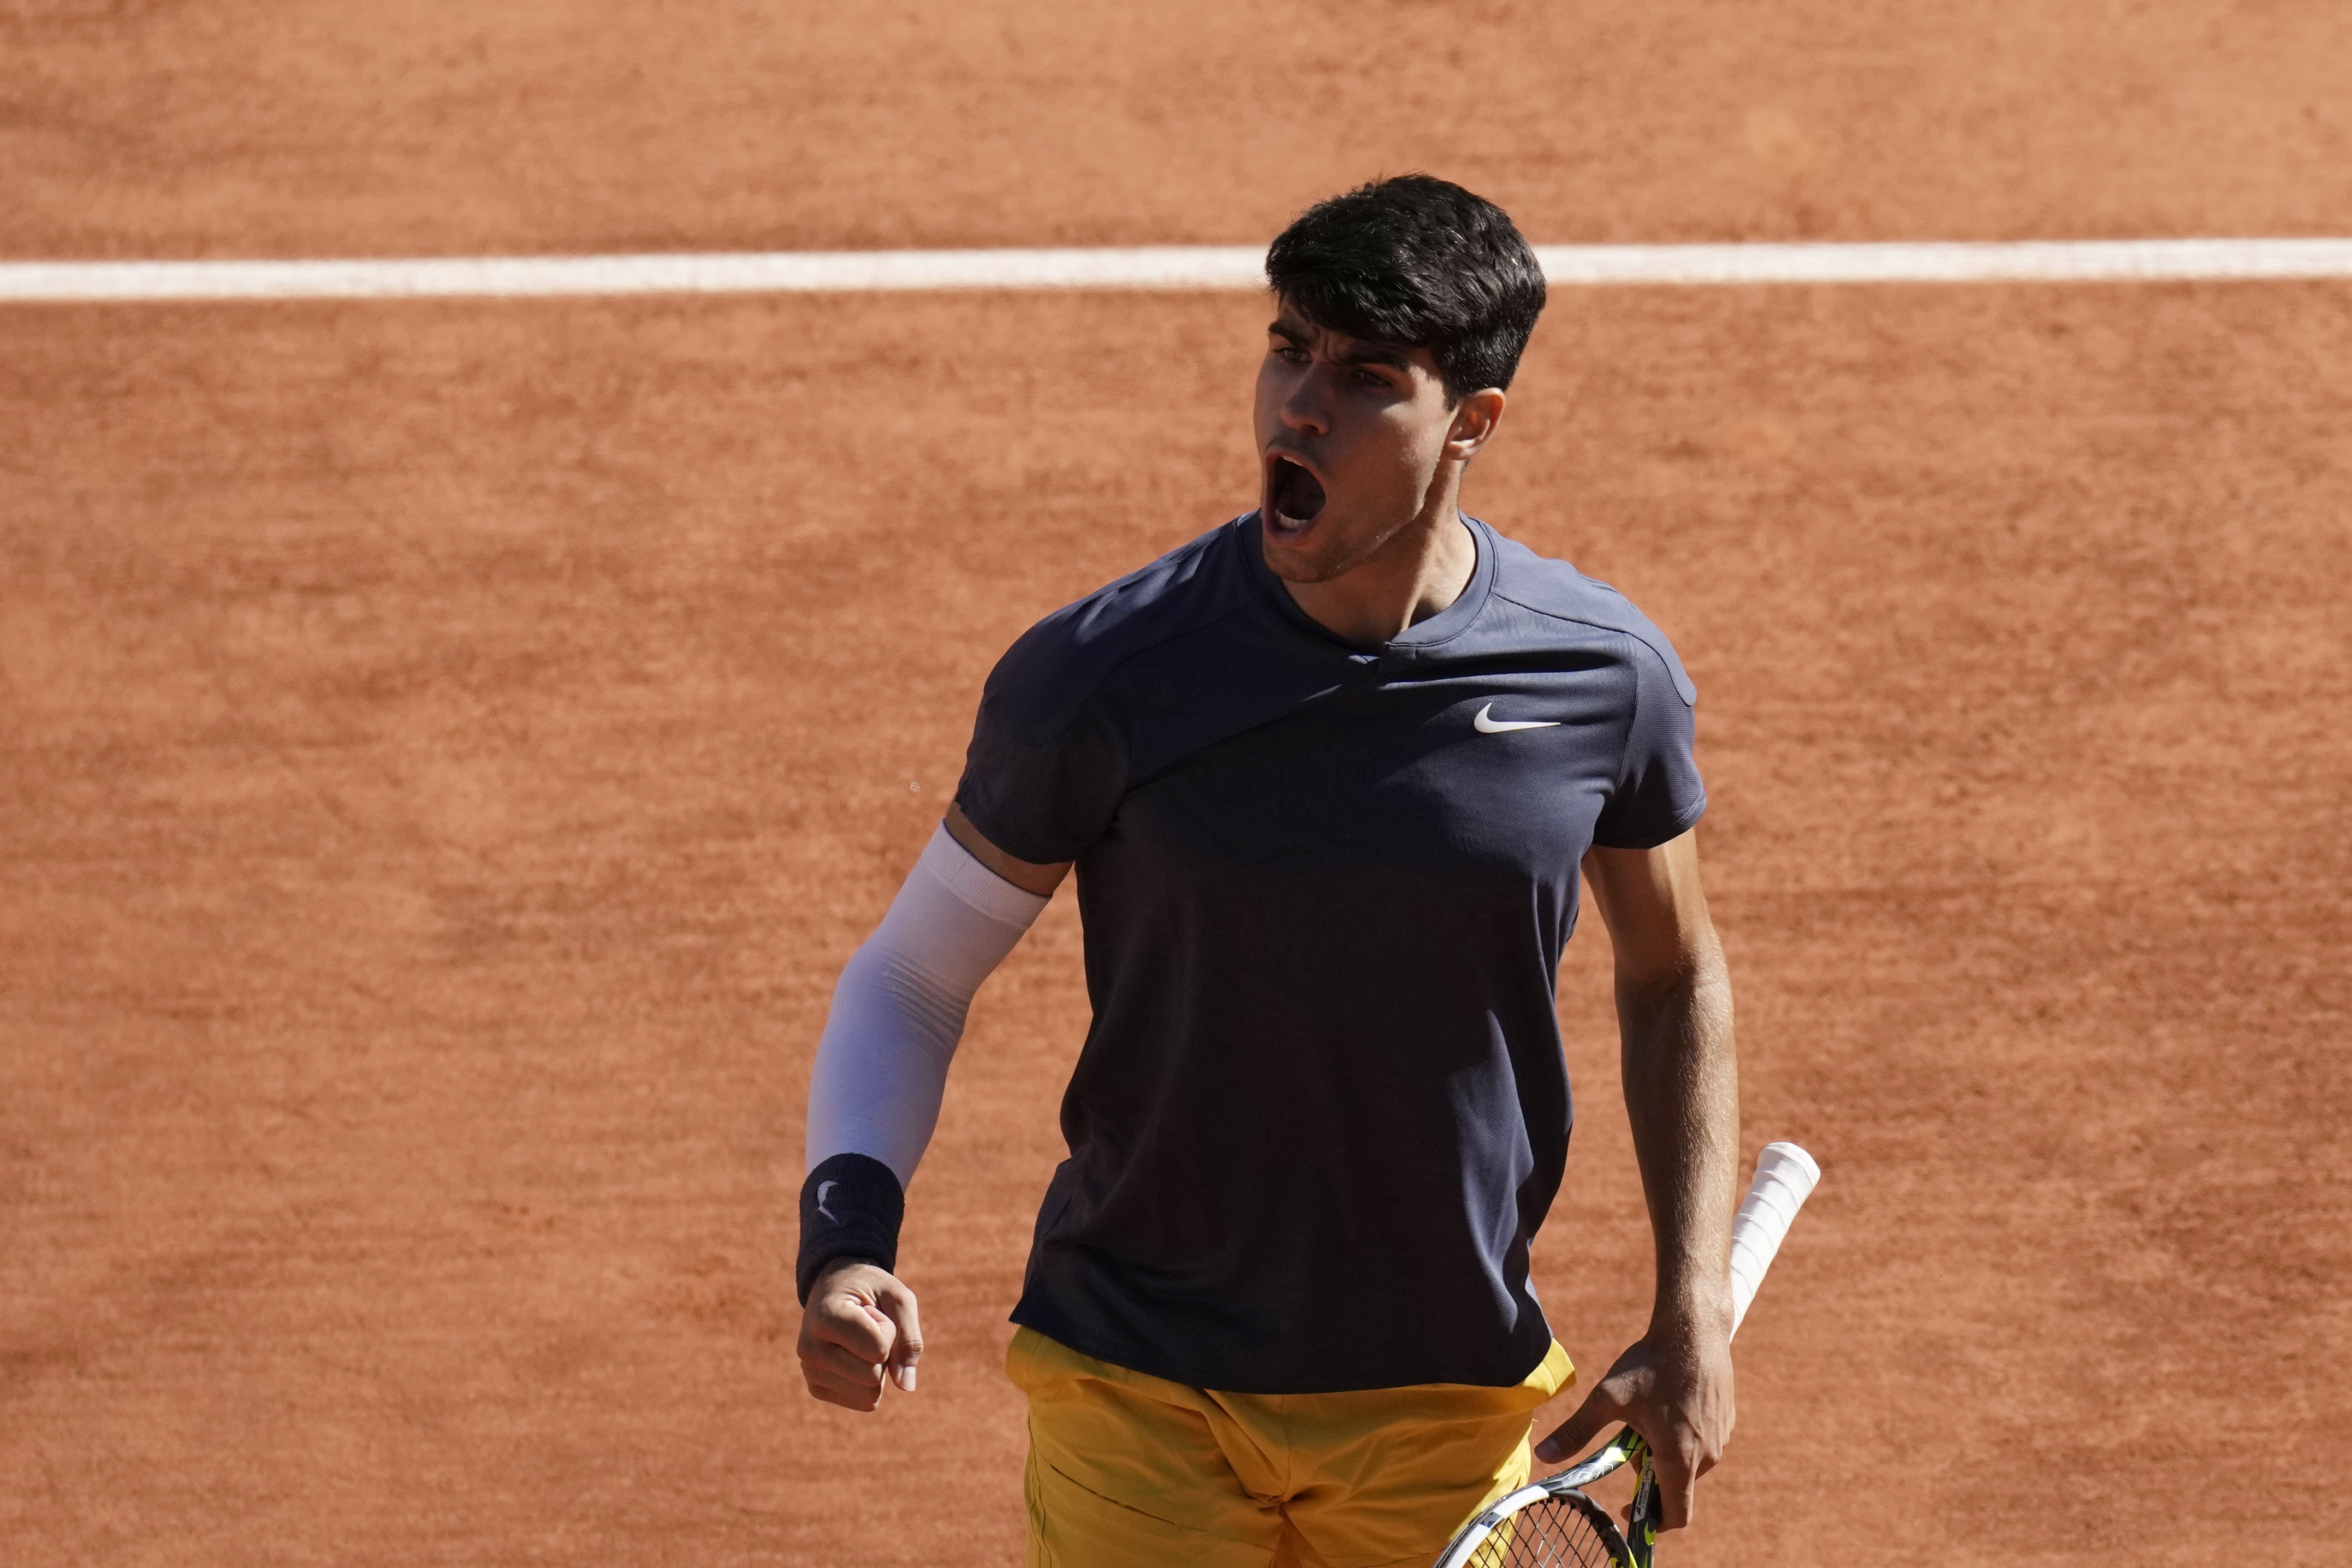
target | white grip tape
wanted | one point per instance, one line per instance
(1785, 1176)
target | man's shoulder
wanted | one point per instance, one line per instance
(1557, 592)
(1051, 672)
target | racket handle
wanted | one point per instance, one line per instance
(1785, 1176)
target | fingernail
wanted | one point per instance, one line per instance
(906, 1378)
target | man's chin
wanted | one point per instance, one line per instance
(1291, 550)
(1315, 552)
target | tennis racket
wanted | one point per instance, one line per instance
(1551, 1523)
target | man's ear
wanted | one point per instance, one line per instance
(1475, 418)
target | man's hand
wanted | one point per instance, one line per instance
(858, 1324)
(1673, 1387)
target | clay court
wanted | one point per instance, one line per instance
(452, 746)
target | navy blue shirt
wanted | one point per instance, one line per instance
(1322, 1107)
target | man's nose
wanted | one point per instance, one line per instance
(1306, 407)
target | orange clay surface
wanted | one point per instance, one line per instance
(450, 749)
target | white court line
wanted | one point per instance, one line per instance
(1150, 266)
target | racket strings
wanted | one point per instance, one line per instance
(1552, 1533)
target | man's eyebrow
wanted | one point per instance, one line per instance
(1362, 352)
(1388, 355)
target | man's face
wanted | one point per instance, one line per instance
(1349, 436)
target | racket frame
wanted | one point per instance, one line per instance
(1562, 1486)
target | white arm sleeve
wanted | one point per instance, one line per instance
(899, 1007)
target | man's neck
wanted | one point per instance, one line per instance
(1411, 578)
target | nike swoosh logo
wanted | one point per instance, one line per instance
(1486, 726)
(822, 1188)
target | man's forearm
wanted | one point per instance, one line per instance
(1682, 1095)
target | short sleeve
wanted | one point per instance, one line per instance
(1657, 795)
(1043, 775)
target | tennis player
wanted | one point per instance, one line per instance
(1327, 775)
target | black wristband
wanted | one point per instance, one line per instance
(851, 1207)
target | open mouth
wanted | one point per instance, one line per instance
(1294, 494)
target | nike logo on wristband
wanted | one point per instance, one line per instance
(822, 1188)
(1487, 726)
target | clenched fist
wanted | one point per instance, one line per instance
(859, 1325)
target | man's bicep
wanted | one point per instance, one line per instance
(1655, 906)
(1026, 875)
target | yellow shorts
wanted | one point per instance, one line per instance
(1127, 1470)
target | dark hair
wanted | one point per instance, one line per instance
(1416, 262)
